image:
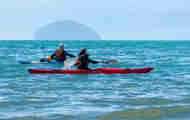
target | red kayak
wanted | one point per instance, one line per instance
(93, 71)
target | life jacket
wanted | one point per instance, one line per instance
(60, 56)
(82, 61)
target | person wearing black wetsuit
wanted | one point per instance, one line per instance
(59, 55)
(83, 60)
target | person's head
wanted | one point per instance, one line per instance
(62, 47)
(58, 51)
(82, 51)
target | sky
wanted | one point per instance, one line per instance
(113, 20)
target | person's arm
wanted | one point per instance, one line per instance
(53, 55)
(77, 63)
(70, 55)
(95, 61)
(92, 61)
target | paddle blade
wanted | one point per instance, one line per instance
(111, 61)
(24, 62)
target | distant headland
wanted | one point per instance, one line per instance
(66, 30)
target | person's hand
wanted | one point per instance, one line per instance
(48, 58)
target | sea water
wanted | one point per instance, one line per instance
(162, 94)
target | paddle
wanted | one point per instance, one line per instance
(70, 63)
(110, 61)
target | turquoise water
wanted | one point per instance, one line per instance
(162, 94)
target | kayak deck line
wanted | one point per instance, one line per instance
(93, 71)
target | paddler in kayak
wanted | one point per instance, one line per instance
(60, 55)
(83, 60)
